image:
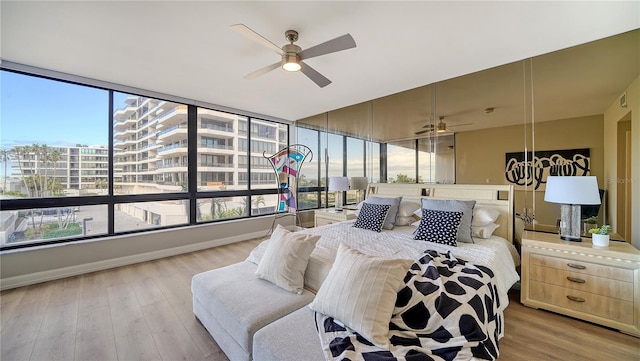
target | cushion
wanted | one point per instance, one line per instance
(466, 207)
(372, 216)
(407, 208)
(393, 211)
(439, 226)
(360, 291)
(484, 231)
(404, 221)
(285, 259)
(224, 300)
(482, 216)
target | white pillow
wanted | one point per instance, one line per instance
(361, 291)
(404, 221)
(407, 208)
(285, 259)
(484, 231)
(482, 216)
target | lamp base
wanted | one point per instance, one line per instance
(571, 238)
(570, 222)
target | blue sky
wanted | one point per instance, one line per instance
(42, 111)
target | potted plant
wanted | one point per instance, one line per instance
(600, 236)
(589, 223)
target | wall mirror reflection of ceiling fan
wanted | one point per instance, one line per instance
(293, 55)
(440, 128)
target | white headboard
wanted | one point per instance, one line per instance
(499, 197)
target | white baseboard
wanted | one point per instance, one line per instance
(50, 275)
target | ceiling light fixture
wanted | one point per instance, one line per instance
(442, 126)
(290, 58)
(290, 62)
(489, 110)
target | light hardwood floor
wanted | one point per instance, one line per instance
(144, 312)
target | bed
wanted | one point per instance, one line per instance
(494, 259)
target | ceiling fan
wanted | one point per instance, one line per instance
(441, 127)
(293, 55)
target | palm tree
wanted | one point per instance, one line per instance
(5, 157)
(22, 153)
(54, 158)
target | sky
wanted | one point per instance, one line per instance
(41, 111)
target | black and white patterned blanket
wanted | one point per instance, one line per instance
(448, 310)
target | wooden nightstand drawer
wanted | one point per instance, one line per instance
(597, 305)
(600, 285)
(583, 267)
(323, 217)
(582, 282)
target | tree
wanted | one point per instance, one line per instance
(5, 157)
(22, 153)
(54, 158)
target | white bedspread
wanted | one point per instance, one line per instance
(495, 253)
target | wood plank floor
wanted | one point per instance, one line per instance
(144, 312)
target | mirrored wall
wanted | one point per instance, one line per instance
(487, 126)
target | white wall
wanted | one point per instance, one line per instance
(32, 265)
(612, 115)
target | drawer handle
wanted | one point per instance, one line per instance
(576, 280)
(576, 266)
(576, 299)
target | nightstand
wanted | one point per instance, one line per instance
(325, 216)
(599, 285)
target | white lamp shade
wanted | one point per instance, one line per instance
(572, 190)
(338, 184)
(359, 182)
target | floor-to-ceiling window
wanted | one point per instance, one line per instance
(80, 161)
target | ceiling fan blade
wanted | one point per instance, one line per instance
(317, 78)
(340, 43)
(423, 131)
(262, 71)
(244, 30)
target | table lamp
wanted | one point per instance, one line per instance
(571, 192)
(338, 185)
(359, 184)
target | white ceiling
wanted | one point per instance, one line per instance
(186, 48)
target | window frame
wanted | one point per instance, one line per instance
(110, 200)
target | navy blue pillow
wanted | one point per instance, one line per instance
(372, 216)
(439, 226)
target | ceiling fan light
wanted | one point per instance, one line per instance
(290, 62)
(442, 127)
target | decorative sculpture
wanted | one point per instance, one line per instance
(286, 164)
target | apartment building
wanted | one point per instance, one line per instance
(72, 170)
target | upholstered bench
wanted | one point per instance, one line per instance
(232, 304)
(292, 338)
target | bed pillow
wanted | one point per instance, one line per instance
(404, 221)
(393, 211)
(360, 291)
(483, 216)
(484, 231)
(466, 207)
(285, 259)
(439, 227)
(407, 208)
(372, 216)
